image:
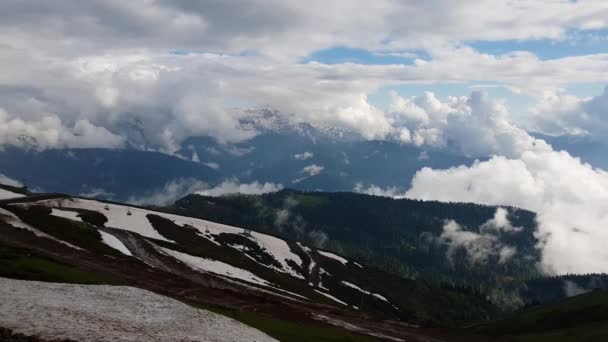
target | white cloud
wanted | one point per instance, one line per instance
(560, 113)
(303, 155)
(234, 187)
(500, 223)
(100, 72)
(475, 125)
(569, 197)
(479, 247)
(375, 190)
(48, 131)
(284, 29)
(97, 193)
(313, 170)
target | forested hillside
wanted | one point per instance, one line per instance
(465, 246)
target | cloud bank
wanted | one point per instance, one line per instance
(569, 197)
(149, 74)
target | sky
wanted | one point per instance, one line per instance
(481, 75)
(104, 73)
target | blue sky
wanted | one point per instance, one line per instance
(574, 43)
(339, 55)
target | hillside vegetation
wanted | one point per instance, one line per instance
(402, 236)
(579, 318)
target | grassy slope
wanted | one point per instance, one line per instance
(580, 318)
(19, 263)
(284, 330)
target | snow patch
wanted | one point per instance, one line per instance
(111, 313)
(113, 242)
(117, 215)
(379, 296)
(214, 266)
(333, 256)
(312, 260)
(5, 194)
(71, 215)
(331, 297)
(16, 222)
(280, 250)
(138, 222)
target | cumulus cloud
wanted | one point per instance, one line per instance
(478, 246)
(313, 169)
(569, 197)
(9, 181)
(309, 171)
(232, 186)
(48, 131)
(559, 113)
(109, 73)
(475, 125)
(303, 155)
(288, 28)
(500, 223)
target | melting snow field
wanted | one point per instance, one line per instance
(5, 194)
(138, 222)
(111, 313)
(214, 266)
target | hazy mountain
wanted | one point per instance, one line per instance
(108, 173)
(296, 156)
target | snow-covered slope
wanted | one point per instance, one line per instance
(16, 222)
(111, 313)
(113, 242)
(215, 266)
(135, 220)
(193, 247)
(5, 194)
(191, 259)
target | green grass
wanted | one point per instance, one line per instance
(21, 264)
(580, 318)
(284, 330)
